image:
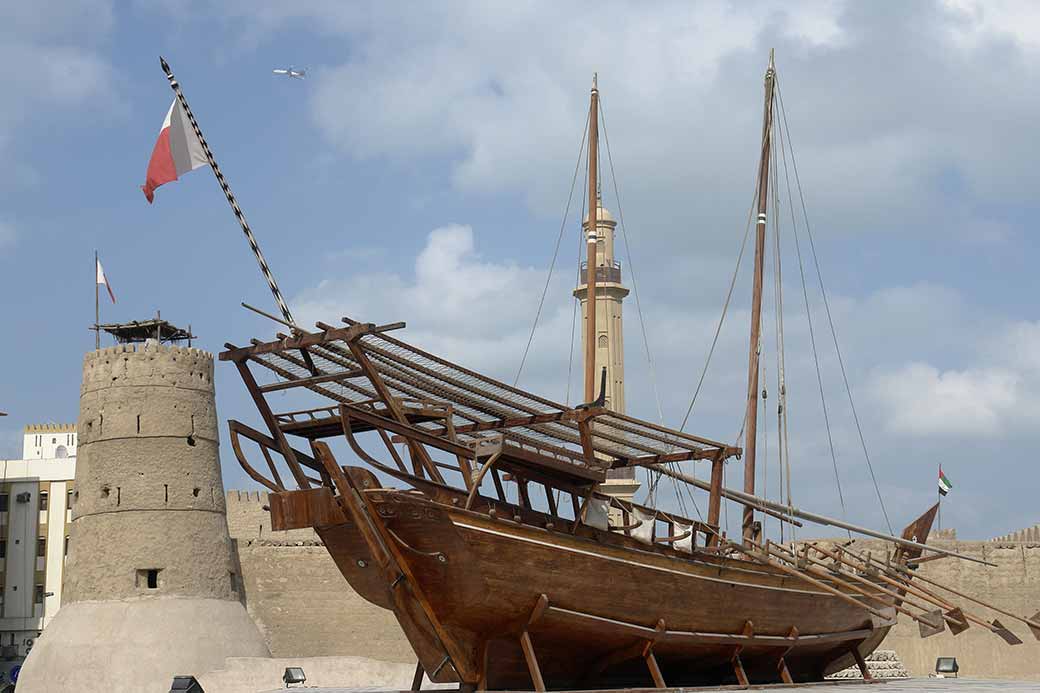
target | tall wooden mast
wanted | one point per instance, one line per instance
(751, 430)
(592, 235)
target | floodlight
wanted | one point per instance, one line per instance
(947, 666)
(293, 675)
(185, 684)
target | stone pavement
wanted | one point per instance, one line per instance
(897, 686)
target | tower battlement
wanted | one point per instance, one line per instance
(145, 363)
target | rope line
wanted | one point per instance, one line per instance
(830, 320)
(815, 353)
(556, 251)
(631, 267)
(577, 303)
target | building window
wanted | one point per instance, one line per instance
(44, 497)
(68, 500)
(41, 547)
(3, 548)
(4, 500)
(66, 544)
(38, 597)
(62, 452)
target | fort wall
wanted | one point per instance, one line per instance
(302, 604)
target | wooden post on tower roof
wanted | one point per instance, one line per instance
(751, 431)
(591, 238)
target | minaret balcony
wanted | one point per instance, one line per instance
(603, 274)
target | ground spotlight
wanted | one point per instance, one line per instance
(293, 675)
(185, 684)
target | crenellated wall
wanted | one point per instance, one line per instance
(1013, 585)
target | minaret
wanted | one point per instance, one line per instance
(610, 342)
(151, 586)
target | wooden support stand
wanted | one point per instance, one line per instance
(525, 644)
(861, 663)
(781, 664)
(417, 679)
(738, 666)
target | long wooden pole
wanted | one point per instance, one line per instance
(751, 430)
(175, 85)
(788, 511)
(591, 238)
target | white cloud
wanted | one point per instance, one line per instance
(920, 400)
(457, 303)
(501, 92)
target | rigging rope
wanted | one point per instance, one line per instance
(631, 267)
(556, 252)
(577, 303)
(815, 351)
(652, 476)
(725, 309)
(827, 308)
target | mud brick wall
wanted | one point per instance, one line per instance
(298, 598)
(1013, 586)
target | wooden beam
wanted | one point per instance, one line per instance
(306, 339)
(532, 662)
(272, 424)
(304, 382)
(410, 432)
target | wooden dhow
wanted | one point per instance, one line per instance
(489, 538)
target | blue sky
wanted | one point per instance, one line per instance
(430, 150)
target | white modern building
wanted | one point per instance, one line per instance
(35, 514)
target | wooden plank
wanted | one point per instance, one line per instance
(313, 507)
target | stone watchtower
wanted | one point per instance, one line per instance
(610, 341)
(151, 589)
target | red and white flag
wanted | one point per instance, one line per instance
(177, 151)
(102, 280)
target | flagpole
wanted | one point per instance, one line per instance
(938, 491)
(97, 307)
(175, 85)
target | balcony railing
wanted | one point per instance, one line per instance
(603, 274)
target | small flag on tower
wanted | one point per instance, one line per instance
(102, 280)
(944, 483)
(177, 151)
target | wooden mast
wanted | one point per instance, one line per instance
(591, 236)
(751, 430)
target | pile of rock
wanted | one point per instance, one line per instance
(882, 664)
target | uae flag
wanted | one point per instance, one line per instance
(177, 151)
(944, 483)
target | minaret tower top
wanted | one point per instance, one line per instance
(610, 292)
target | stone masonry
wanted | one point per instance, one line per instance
(296, 595)
(152, 588)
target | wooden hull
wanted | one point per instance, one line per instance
(608, 602)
